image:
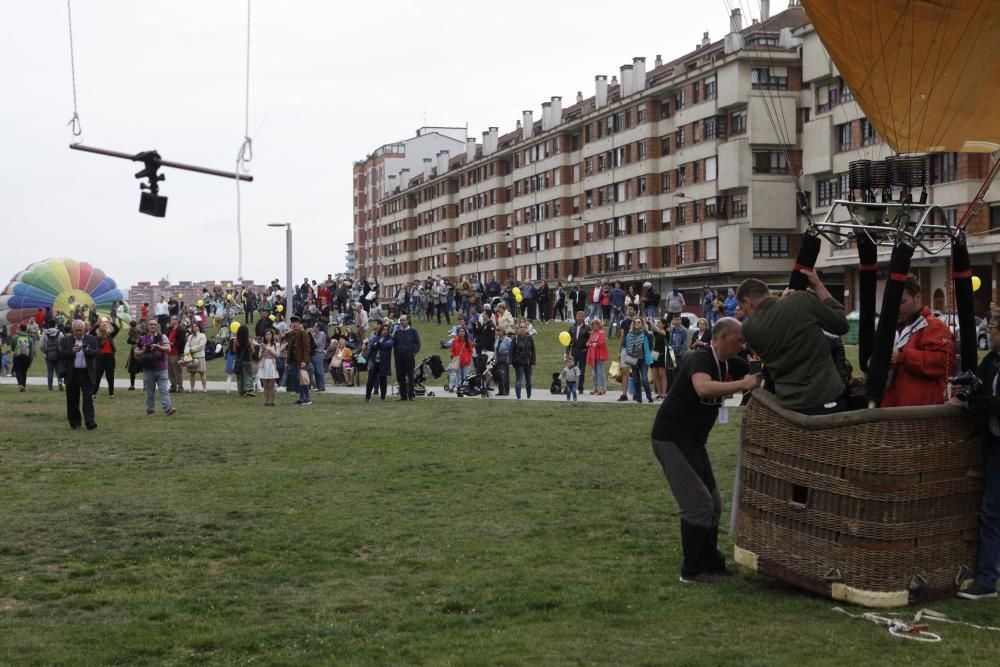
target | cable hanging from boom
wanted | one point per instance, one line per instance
(74, 123)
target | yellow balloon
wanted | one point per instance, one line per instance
(976, 283)
(234, 327)
(516, 291)
(200, 303)
(270, 317)
(229, 297)
(180, 296)
(518, 298)
(229, 285)
(564, 338)
(281, 308)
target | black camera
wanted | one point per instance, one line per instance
(755, 366)
(967, 384)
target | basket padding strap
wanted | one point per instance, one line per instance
(867, 287)
(885, 334)
(806, 260)
(962, 272)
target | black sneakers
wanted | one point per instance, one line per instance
(977, 592)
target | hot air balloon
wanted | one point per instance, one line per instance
(59, 285)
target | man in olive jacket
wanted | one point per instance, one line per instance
(788, 335)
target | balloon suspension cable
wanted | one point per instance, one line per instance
(74, 123)
(244, 156)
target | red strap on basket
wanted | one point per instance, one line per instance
(799, 267)
(962, 274)
(868, 267)
(898, 277)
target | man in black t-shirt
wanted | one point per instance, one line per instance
(680, 432)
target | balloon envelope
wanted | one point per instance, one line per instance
(977, 282)
(234, 327)
(516, 291)
(518, 298)
(281, 308)
(200, 303)
(564, 338)
(60, 285)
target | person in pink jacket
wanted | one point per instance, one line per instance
(597, 355)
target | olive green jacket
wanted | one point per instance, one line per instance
(787, 333)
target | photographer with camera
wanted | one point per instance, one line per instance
(979, 394)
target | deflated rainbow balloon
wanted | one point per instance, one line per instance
(60, 285)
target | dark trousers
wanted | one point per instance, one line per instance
(404, 375)
(988, 568)
(21, 370)
(77, 384)
(580, 357)
(503, 386)
(442, 309)
(376, 379)
(689, 474)
(164, 321)
(105, 366)
(249, 315)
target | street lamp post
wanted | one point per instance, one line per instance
(288, 258)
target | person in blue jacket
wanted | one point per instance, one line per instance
(378, 351)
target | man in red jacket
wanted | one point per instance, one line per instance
(923, 355)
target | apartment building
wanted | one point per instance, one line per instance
(379, 174)
(683, 175)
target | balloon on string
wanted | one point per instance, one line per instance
(280, 308)
(229, 297)
(234, 327)
(564, 338)
(229, 286)
(977, 282)
(270, 317)
(516, 291)
(200, 303)
(518, 297)
(180, 296)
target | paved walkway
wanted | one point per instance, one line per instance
(121, 384)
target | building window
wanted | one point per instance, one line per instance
(588, 166)
(665, 256)
(665, 181)
(844, 137)
(679, 99)
(680, 176)
(738, 206)
(640, 115)
(640, 149)
(771, 78)
(827, 97)
(845, 93)
(710, 89)
(827, 190)
(664, 109)
(769, 162)
(642, 185)
(643, 258)
(944, 167)
(664, 145)
(679, 141)
(739, 122)
(640, 223)
(667, 218)
(680, 214)
(680, 254)
(770, 245)
(711, 168)
(995, 216)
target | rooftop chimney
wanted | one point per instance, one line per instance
(579, 96)
(428, 168)
(556, 112)
(494, 137)
(527, 124)
(659, 61)
(735, 21)
(626, 79)
(765, 10)
(639, 74)
(705, 41)
(444, 157)
(546, 116)
(600, 91)
(470, 149)
(404, 178)
(614, 81)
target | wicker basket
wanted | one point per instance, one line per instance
(877, 507)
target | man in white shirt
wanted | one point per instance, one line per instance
(77, 353)
(163, 313)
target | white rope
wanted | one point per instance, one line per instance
(914, 629)
(74, 122)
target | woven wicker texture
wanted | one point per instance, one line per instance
(886, 500)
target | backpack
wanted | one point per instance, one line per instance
(52, 346)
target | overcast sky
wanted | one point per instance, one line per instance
(330, 82)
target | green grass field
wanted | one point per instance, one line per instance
(439, 532)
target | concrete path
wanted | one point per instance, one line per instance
(40, 383)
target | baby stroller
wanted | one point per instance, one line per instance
(480, 384)
(428, 369)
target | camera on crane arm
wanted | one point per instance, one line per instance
(966, 384)
(151, 203)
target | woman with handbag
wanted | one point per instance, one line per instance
(379, 351)
(194, 356)
(337, 362)
(638, 355)
(105, 362)
(461, 358)
(597, 355)
(659, 365)
(132, 364)
(270, 352)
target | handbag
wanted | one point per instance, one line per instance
(303, 377)
(628, 361)
(336, 362)
(455, 364)
(187, 358)
(615, 371)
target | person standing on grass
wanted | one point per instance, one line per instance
(135, 332)
(22, 348)
(105, 332)
(406, 345)
(77, 354)
(638, 346)
(195, 346)
(269, 353)
(49, 345)
(461, 358)
(569, 374)
(319, 356)
(625, 326)
(522, 355)
(378, 350)
(579, 335)
(177, 338)
(163, 313)
(502, 356)
(243, 361)
(299, 353)
(154, 376)
(679, 437)
(596, 357)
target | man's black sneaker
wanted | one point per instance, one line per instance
(703, 578)
(307, 402)
(977, 592)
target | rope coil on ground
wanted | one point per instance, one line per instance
(914, 629)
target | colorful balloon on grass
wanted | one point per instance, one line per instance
(59, 284)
